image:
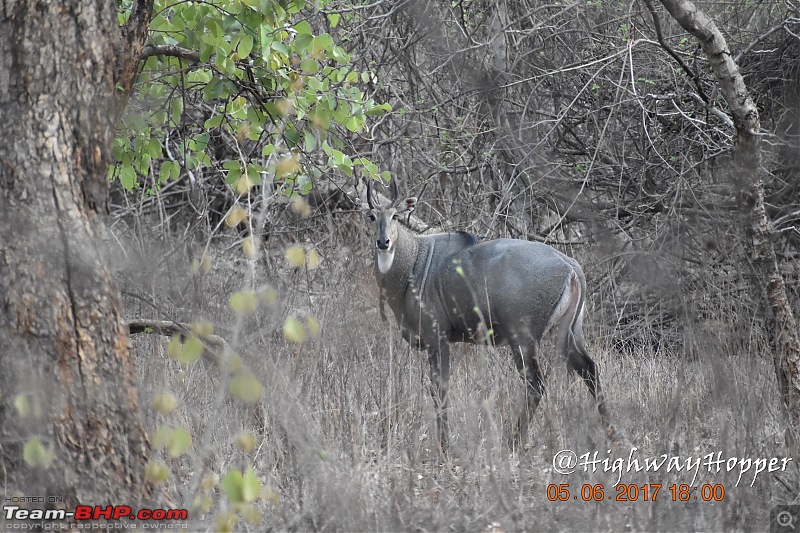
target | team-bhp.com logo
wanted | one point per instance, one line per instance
(93, 512)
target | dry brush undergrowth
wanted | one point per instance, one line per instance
(342, 438)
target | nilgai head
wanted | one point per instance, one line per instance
(384, 220)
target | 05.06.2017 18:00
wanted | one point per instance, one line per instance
(632, 492)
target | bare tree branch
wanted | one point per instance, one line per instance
(172, 51)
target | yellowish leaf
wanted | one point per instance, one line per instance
(251, 514)
(209, 481)
(236, 216)
(225, 522)
(301, 207)
(202, 328)
(192, 350)
(251, 486)
(267, 295)
(23, 405)
(312, 259)
(179, 442)
(244, 184)
(174, 347)
(293, 330)
(244, 302)
(284, 106)
(205, 264)
(201, 266)
(246, 441)
(245, 386)
(161, 437)
(164, 402)
(156, 472)
(250, 247)
(287, 165)
(313, 326)
(271, 495)
(202, 503)
(295, 255)
(234, 363)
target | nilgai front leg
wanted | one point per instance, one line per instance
(439, 359)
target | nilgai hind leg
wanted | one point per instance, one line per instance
(570, 342)
(528, 367)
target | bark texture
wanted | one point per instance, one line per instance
(767, 279)
(67, 381)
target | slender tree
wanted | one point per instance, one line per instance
(70, 424)
(768, 281)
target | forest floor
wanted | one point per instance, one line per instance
(344, 434)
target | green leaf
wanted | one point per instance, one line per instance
(309, 142)
(302, 42)
(213, 90)
(333, 18)
(305, 184)
(225, 64)
(379, 109)
(320, 44)
(251, 486)
(214, 29)
(309, 66)
(36, 455)
(234, 7)
(231, 485)
(127, 177)
(280, 47)
(265, 36)
(245, 46)
(241, 488)
(163, 173)
(354, 124)
(303, 28)
(154, 148)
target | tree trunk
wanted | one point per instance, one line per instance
(768, 284)
(70, 425)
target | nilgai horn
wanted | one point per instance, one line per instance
(452, 287)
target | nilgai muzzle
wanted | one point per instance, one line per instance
(452, 287)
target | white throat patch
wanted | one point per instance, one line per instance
(385, 260)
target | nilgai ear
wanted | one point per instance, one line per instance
(409, 204)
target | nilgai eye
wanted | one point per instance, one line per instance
(394, 217)
(372, 217)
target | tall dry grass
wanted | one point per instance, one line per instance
(344, 436)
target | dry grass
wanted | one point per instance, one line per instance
(344, 436)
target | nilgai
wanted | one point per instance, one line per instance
(453, 287)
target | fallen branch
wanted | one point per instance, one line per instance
(169, 328)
